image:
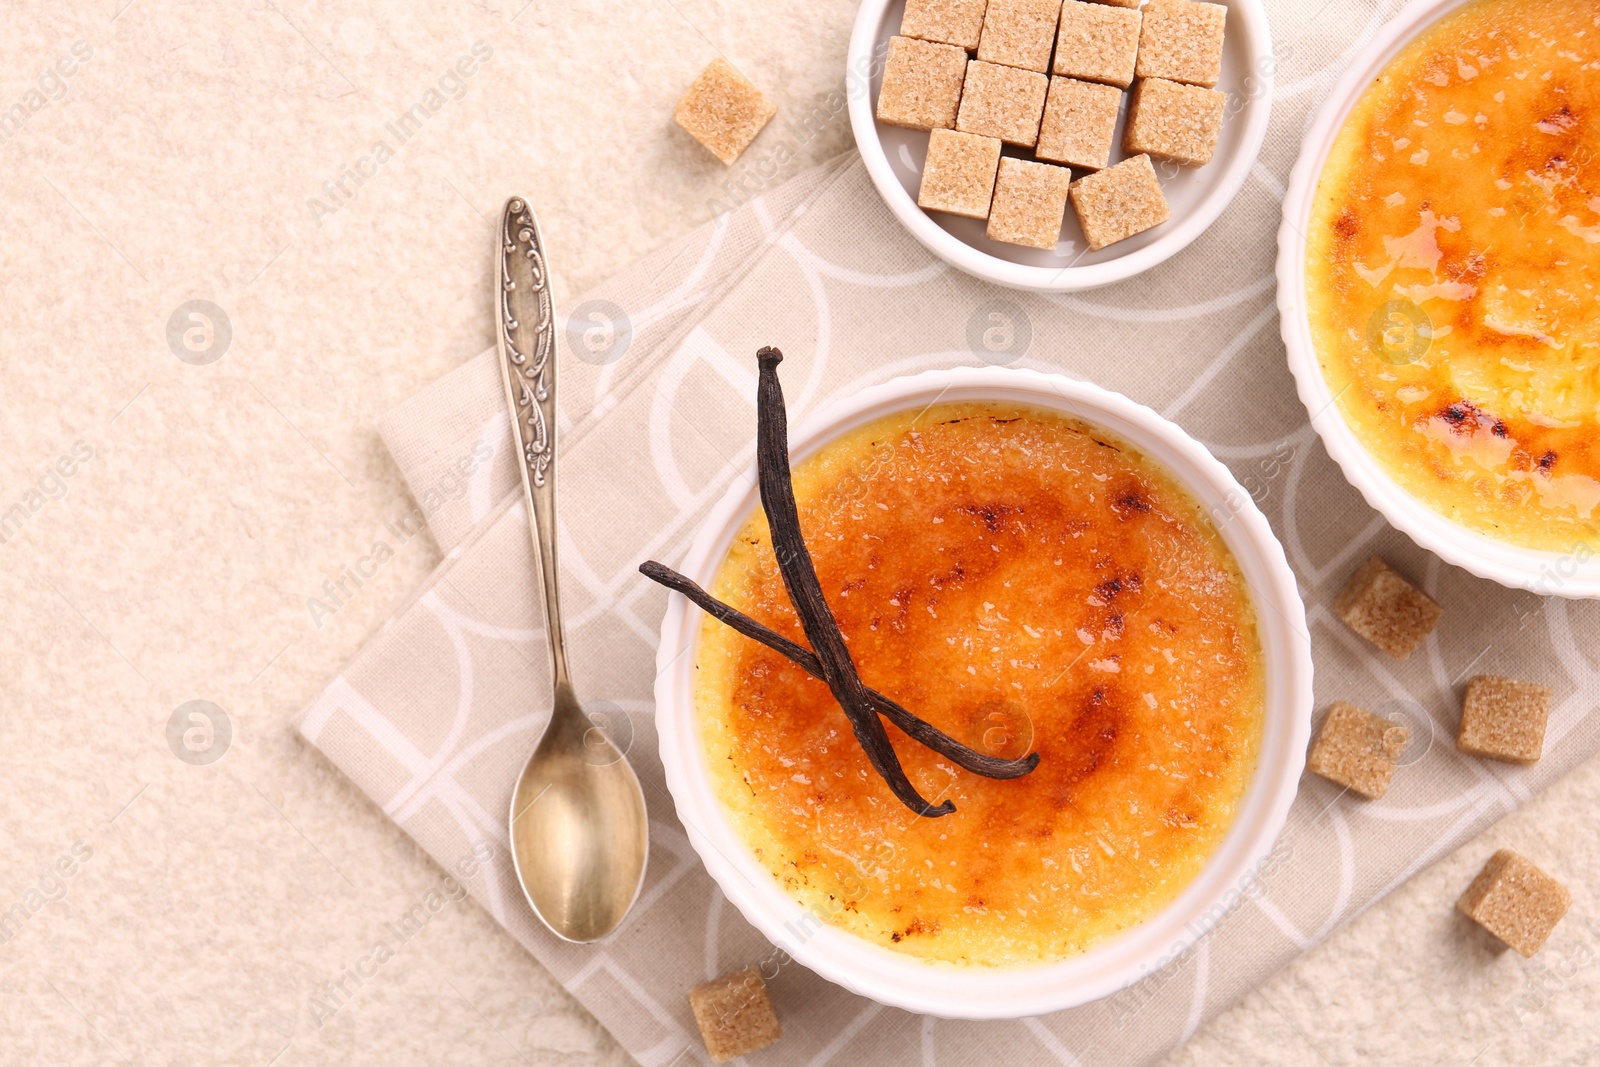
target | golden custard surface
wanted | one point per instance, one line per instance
(1453, 270)
(1022, 582)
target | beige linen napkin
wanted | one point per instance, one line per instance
(434, 717)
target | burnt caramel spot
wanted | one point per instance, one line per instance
(1547, 462)
(991, 515)
(1180, 818)
(901, 603)
(1131, 502)
(1559, 121)
(1111, 588)
(1464, 416)
(1087, 742)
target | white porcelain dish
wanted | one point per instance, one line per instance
(1198, 195)
(976, 993)
(1547, 573)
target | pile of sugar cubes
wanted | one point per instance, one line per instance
(1049, 75)
(1501, 719)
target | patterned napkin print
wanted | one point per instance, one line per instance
(435, 716)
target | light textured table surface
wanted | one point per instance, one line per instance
(226, 153)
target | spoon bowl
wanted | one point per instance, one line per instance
(578, 799)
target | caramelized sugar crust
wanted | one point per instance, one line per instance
(1022, 582)
(1453, 270)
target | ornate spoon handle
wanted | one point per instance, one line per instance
(527, 336)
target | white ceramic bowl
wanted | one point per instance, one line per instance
(1198, 195)
(1574, 574)
(975, 993)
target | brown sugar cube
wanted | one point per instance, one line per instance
(1018, 33)
(1357, 750)
(1515, 901)
(958, 176)
(957, 22)
(1181, 41)
(1003, 102)
(1168, 120)
(921, 84)
(1121, 3)
(1386, 609)
(1118, 202)
(1030, 200)
(723, 111)
(735, 1014)
(1097, 43)
(1504, 719)
(1080, 123)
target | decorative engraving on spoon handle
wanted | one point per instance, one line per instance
(534, 372)
(526, 332)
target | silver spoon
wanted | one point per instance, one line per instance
(579, 833)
